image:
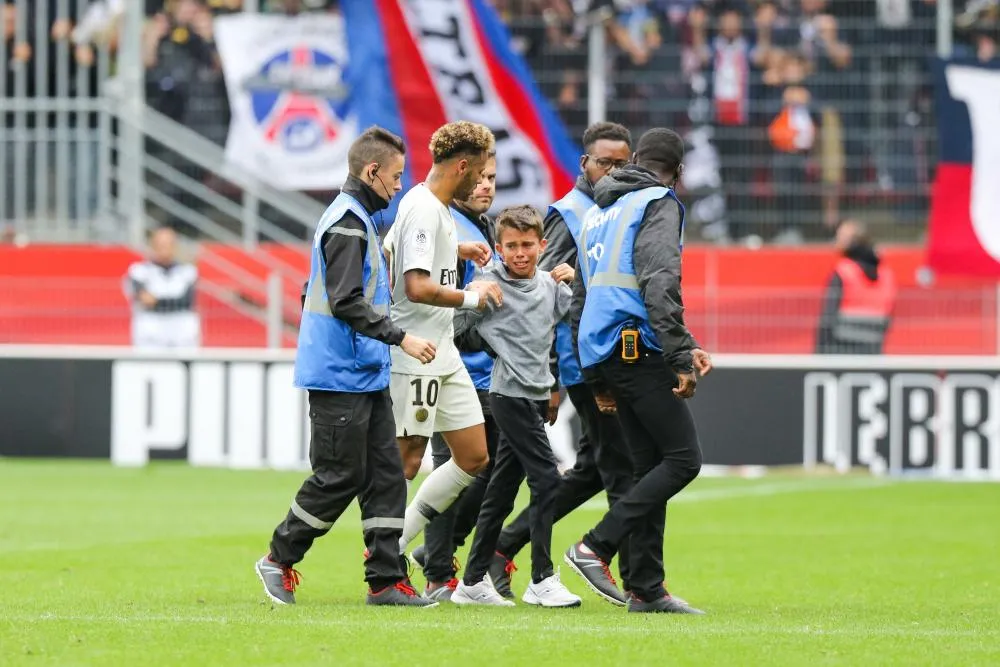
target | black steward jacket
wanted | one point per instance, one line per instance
(345, 259)
(561, 248)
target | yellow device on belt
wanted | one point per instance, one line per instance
(630, 345)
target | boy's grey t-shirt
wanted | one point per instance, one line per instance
(521, 331)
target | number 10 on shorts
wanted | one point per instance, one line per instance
(423, 404)
(431, 397)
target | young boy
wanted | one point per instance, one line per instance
(520, 334)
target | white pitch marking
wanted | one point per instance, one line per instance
(769, 489)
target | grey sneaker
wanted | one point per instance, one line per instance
(279, 580)
(678, 599)
(595, 572)
(399, 595)
(481, 594)
(664, 605)
(442, 592)
(500, 572)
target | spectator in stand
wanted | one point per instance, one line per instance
(184, 81)
(734, 62)
(162, 293)
(222, 7)
(649, 85)
(830, 59)
(792, 134)
(19, 74)
(985, 43)
(859, 299)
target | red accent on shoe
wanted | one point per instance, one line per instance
(607, 573)
(452, 583)
(290, 578)
(405, 588)
(509, 566)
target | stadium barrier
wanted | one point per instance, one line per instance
(737, 300)
(236, 408)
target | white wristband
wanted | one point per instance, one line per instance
(471, 301)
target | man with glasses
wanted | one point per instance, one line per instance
(602, 462)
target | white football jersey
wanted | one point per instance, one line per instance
(424, 237)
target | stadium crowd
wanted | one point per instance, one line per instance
(815, 107)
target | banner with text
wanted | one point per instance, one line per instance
(301, 89)
(905, 415)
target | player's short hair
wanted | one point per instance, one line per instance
(605, 130)
(522, 218)
(461, 138)
(376, 144)
(660, 150)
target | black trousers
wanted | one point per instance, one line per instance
(353, 453)
(662, 439)
(448, 531)
(523, 450)
(602, 464)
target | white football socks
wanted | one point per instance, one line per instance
(434, 496)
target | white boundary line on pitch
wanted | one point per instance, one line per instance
(766, 489)
(517, 623)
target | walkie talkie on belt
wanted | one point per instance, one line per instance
(630, 345)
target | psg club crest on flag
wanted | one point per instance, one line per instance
(302, 88)
(285, 76)
(297, 99)
(964, 233)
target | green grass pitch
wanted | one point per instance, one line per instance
(154, 566)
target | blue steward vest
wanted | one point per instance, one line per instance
(331, 355)
(573, 207)
(479, 364)
(613, 297)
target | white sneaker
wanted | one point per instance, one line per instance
(482, 593)
(550, 593)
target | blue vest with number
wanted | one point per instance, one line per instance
(331, 355)
(613, 297)
(573, 207)
(479, 364)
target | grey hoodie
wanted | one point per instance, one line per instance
(520, 332)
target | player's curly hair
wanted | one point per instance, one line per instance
(522, 218)
(461, 138)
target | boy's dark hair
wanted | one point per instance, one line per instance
(604, 130)
(461, 138)
(375, 144)
(522, 218)
(660, 150)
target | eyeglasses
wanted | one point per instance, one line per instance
(607, 163)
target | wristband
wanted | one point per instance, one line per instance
(471, 301)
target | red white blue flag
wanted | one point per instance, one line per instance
(299, 97)
(964, 233)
